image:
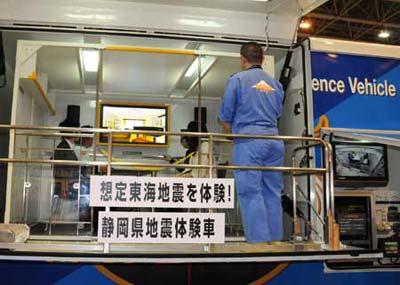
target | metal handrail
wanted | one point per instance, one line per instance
(77, 133)
(329, 161)
(162, 165)
(360, 131)
(45, 131)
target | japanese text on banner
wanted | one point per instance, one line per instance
(142, 227)
(161, 192)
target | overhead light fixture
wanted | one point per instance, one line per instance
(90, 60)
(305, 24)
(192, 68)
(384, 34)
(200, 23)
(206, 62)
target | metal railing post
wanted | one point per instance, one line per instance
(211, 155)
(109, 161)
(27, 183)
(52, 188)
(295, 221)
(331, 177)
(210, 173)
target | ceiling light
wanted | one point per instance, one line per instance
(384, 34)
(192, 68)
(305, 24)
(90, 60)
(200, 23)
(206, 62)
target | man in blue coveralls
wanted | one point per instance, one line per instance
(252, 104)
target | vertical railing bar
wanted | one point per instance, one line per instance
(109, 155)
(330, 155)
(210, 170)
(210, 155)
(327, 192)
(109, 160)
(52, 189)
(96, 124)
(24, 189)
(327, 177)
(79, 185)
(199, 123)
(109, 141)
(294, 202)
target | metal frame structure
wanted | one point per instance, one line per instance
(67, 250)
(356, 20)
(294, 170)
(388, 137)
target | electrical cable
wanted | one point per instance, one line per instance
(267, 32)
(287, 68)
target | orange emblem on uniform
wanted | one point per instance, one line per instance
(263, 87)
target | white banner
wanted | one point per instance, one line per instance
(161, 192)
(144, 227)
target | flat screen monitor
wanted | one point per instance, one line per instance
(358, 164)
(134, 117)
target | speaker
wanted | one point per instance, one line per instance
(203, 114)
(73, 114)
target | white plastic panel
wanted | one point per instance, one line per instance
(183, 16)
(143, 73)
(61, 64)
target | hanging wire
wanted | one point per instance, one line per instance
(299, 17)
(267, 19)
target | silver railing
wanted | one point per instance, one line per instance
(326, 170)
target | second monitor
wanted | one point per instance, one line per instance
(135, 117)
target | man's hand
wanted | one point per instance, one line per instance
(227, 127)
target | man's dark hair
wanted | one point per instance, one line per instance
(193, 127)
(253, 52)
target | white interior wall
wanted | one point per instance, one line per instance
(24, 117)
(29, 113)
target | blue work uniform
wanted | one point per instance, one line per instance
(252, 104)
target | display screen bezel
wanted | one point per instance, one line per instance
(359, 181)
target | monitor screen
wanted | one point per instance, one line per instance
(135, 118)
(360, 164)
